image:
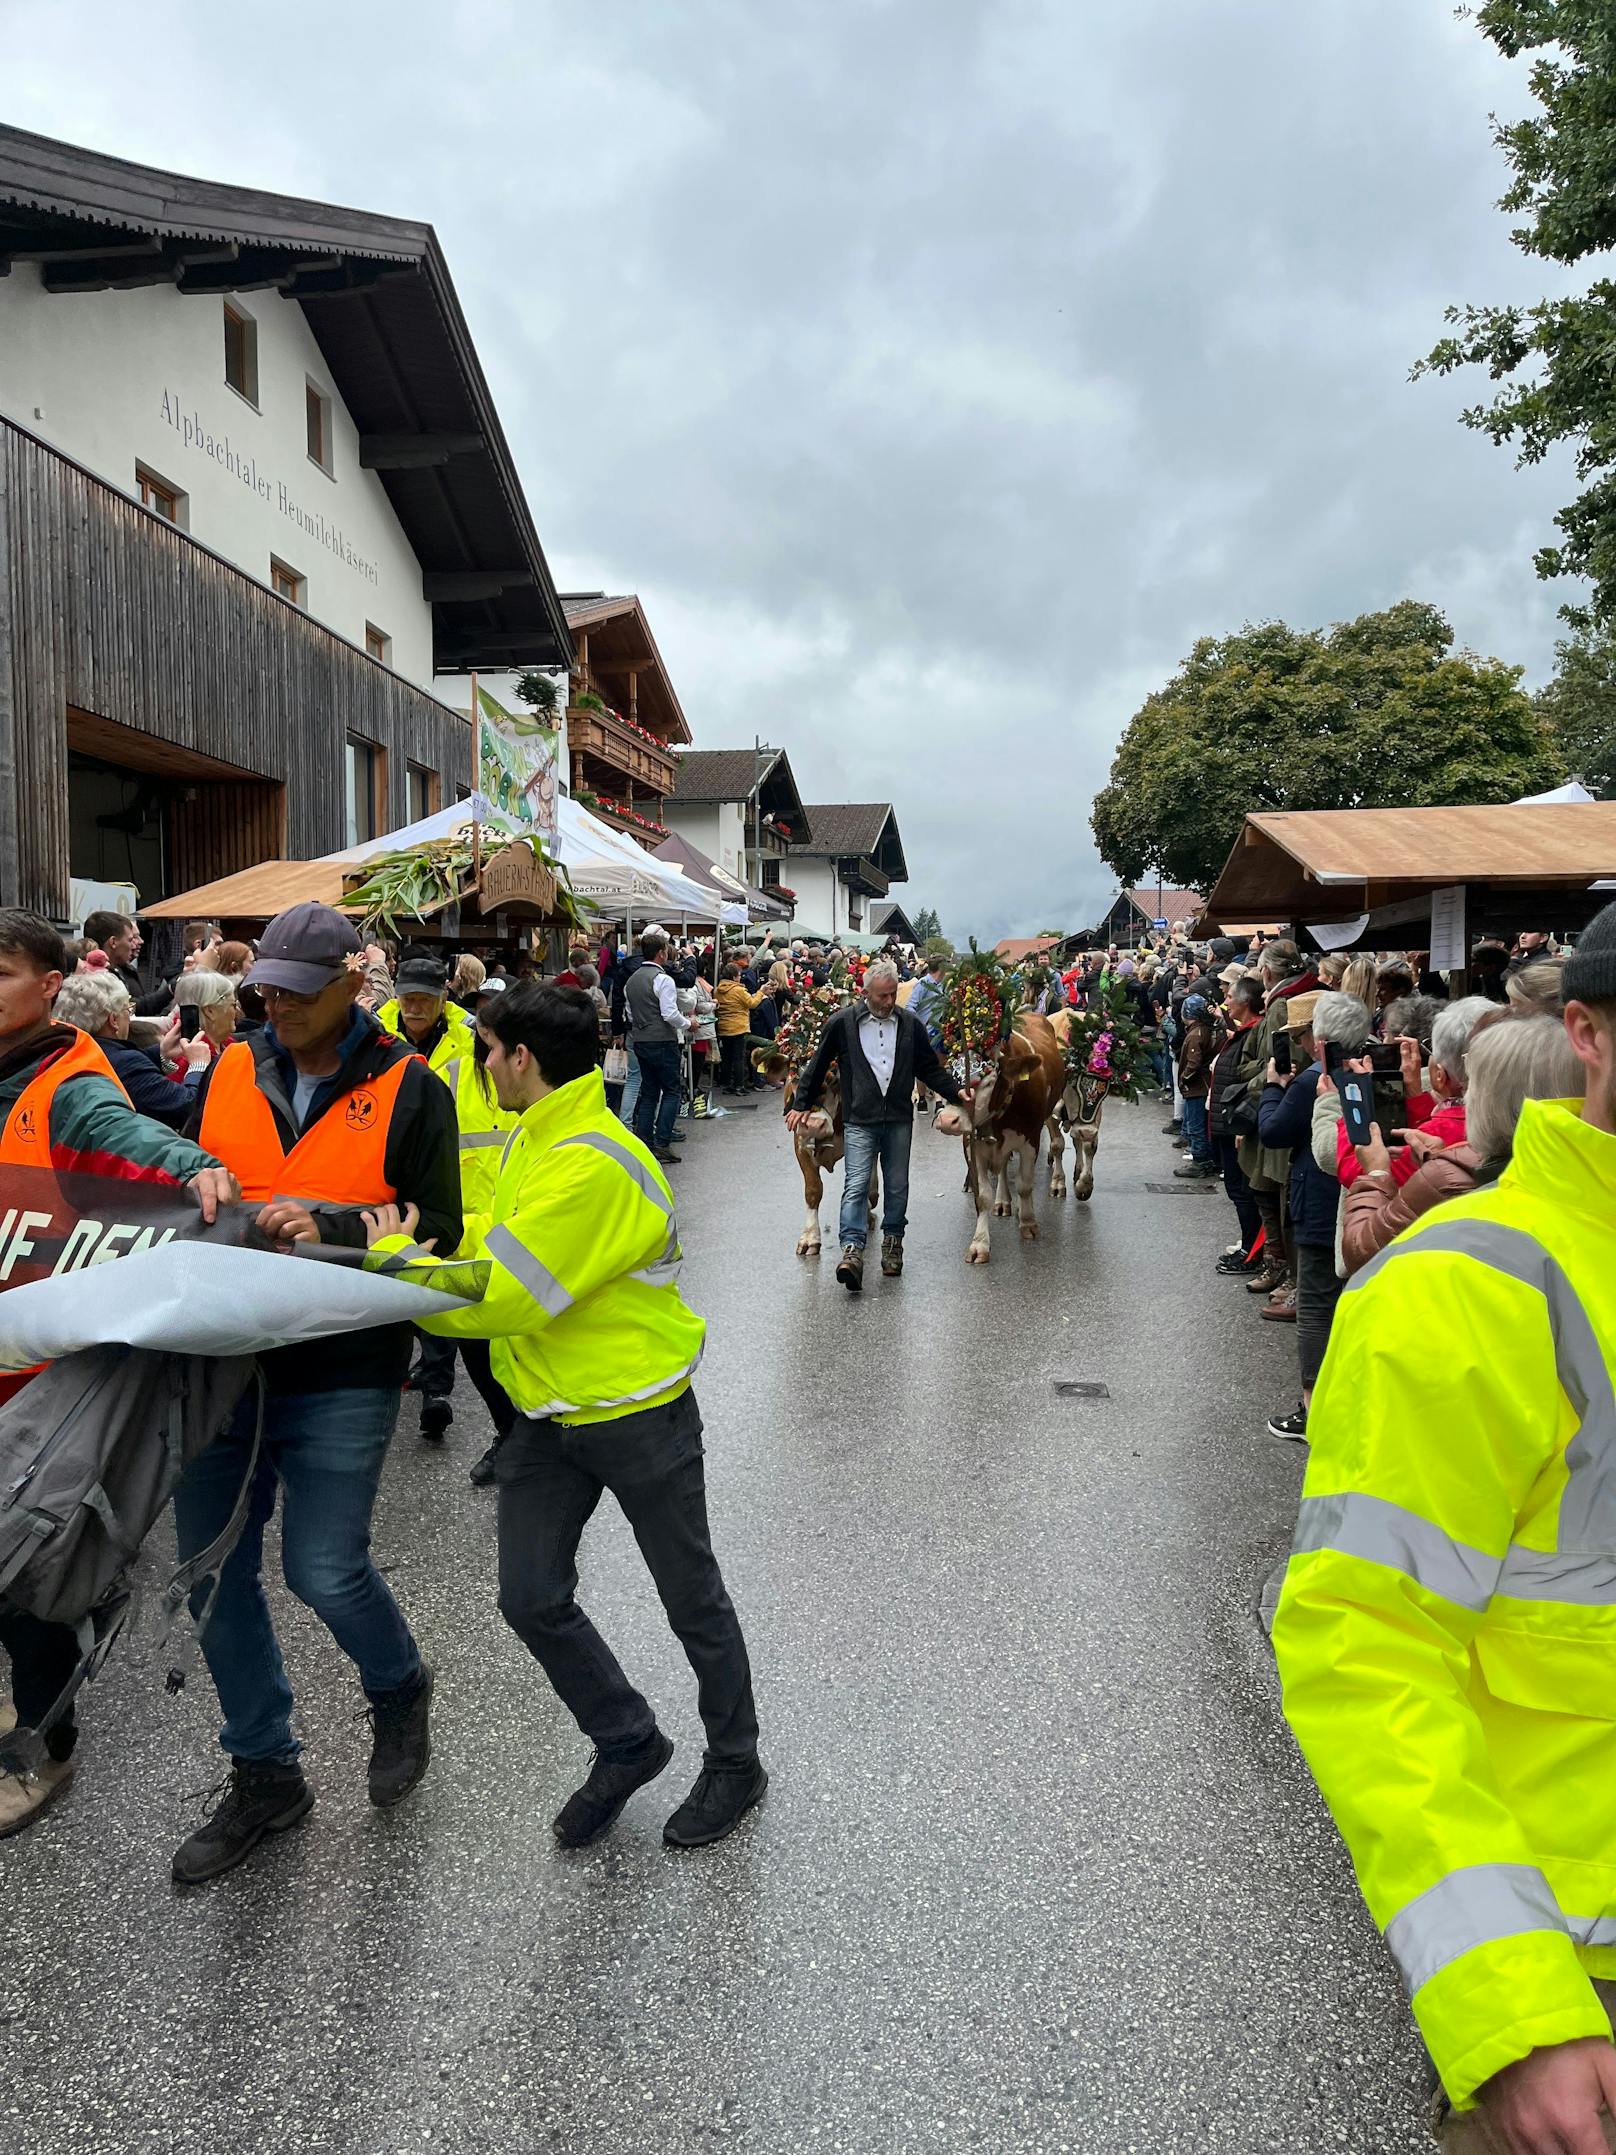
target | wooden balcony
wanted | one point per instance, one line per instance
(621, 819)
(627, 755)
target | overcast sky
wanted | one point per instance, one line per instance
(935, 370)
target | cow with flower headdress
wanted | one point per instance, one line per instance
(1101, 1051)
(1019, 1069)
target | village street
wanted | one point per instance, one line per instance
(1039, 1868)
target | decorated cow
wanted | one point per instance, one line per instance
(1100, 1048)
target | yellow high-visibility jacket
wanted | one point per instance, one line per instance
(575, 1268)
(1447, 1630)
(485, 1129)
(457, 1037)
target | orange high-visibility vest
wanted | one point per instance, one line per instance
(340, 1160)
(25, 1140)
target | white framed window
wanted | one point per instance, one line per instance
(317, 406)
(287, 582)
(241, 352)
(160, 496)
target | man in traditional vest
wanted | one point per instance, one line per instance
(1447, 1629)
(656, 1027)
(578, 1267)
(318, 1115)
(63, 1107)
(422, 1015)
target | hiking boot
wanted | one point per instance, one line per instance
(1266, 1278)
(1172, 1129)
(1291, 1426)
(403, 1740)
(481, 1474)
(436, 1415)
(891, 1255)
(589, 1810)
(1280, 1308)
(850, 1269)
(24, 1796)
(668, 1159)
(260, 1797)
(1195, 1171)
(716, 1805)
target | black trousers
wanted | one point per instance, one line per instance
(43, 1658)
(550, 1480)
(732, 1062)
(1317, 1293)
(437, 1375)
(1226, 1151)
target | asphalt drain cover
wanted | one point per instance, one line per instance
(1080, 1388)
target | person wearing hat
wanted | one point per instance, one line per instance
(318, 1116)
(1197, 1052)
(422, 1015)
(1445, 1630)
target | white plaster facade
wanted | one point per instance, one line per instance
(822, 896)
(120, 379)
(717, 827)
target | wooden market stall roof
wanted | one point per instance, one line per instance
(255, 893)
(1332, 864)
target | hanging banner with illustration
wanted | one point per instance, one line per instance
(518, 766)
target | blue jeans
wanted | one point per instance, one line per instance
(1161, 1062)
(657, 1109)
(325, 1449)
(631, 1090)
(866, 1143)
(1195, 1136)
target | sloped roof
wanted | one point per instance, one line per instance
(1327, 864)
(864, 828)
(1175, 904)
(377, 295)
(728, 774)
(619, 639)
(1015, 948)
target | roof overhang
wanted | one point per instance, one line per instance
(379, 300)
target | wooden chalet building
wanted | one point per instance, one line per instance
(852, 855)
(742, 808)
(254, 499)
(1134, 913)
(624, 721)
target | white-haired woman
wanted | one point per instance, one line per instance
(99, 1004)
(213, 997)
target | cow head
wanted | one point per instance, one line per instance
(996, 1086)
(772, 1066)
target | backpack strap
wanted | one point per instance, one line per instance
(207, 1566)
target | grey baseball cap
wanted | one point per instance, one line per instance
(421, 976)
(304, 949)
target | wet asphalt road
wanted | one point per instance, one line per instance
(1039, 1868)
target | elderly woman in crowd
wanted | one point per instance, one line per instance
(1509, 1061)
(1439, 1110)
(1535, 991)
(99, 1004)
(213, 997)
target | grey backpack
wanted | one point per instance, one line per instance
(90, 1451)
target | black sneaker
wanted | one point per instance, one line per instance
(403, 1741)
(716, 1805)
(1196, 1171)
(481, 1475)
(850, 1269)
(668, 1159)
(258, 1799)
(436, 1415)
(1172, 1129)
(1232, 1263)
(1293, 1426)
(589, 1810)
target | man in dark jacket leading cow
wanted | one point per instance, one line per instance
(879, 1050)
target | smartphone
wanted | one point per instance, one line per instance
(1283, 1061)
(1357, 1090)
(190, 1020)
(1386, 1058)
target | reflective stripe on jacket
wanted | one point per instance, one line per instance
(1447, 1630)
(576, 1268)
(485, 1127)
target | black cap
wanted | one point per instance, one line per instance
(1589, 975)
(421, 976)
(304, 949)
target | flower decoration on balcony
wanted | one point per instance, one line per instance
(780, 890)
(625, 814)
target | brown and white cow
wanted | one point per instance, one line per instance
(819, 1143)
(1079, 1108)
(1004, 1122)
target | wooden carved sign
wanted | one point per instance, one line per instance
(517, 881)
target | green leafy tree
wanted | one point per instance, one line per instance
(1553, 359)
(1580, 706)
(936, 946)
(926, 924)
(1374, 713)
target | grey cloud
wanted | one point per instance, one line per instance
(937, 372)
